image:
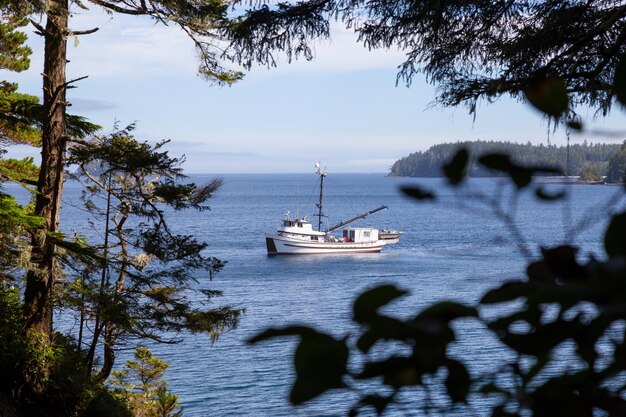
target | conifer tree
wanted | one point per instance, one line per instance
(197, 19)
(617, 166)
(141, 279)
(140, 383)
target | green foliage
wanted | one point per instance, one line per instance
(22, 118)
(27, 360)
(617, 166)
(590, 173)
(14, 54)
(428, 163)
(140, 385)
(564, 310)
(15, 124)
(19, 170)
(15, 224)
(11, 336)
(321, 360)
(140, 280)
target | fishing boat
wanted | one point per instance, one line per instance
(296, 235)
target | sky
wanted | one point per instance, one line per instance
(343, 108)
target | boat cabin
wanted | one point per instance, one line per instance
(360, 234)
(299, 228)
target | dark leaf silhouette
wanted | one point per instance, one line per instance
(417, 193)
(320, 361)
(619, 80)
(615, 237)
(367, 304)
(456, 169)
(549, 95)
(543, 194)
(458, 381)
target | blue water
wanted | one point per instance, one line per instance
(448, 251)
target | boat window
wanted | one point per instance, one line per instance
(366, 233)
(299, 224)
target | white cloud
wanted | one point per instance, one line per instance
(341, 54)
(132, 47)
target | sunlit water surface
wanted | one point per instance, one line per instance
(447, 252)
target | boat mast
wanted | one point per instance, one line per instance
(360, 216)
(322, 173)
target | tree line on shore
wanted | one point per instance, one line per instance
(590, 161)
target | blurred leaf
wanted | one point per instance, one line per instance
(491, 388)
(320, 361)
(367, 304)
(502, 324)
(417, 193)
(538, 272)
(458, 381)
(447, 311)
(615, 236)
(500, 412)
(302, 331)
(575, 124)
(367, 339)
(542, 340)
(549, 95)
(520, 175)
(540, 363)
(388, 328)
(542, 194)
(397, 371)
(561, 261)
(378, 402)
(456, 169)
(619, 80)
(508, 291)
(497, 161)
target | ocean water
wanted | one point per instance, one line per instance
(454, 248)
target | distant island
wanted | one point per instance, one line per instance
(588, 160)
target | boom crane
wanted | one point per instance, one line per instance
(360, 216)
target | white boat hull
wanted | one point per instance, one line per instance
(284, 246)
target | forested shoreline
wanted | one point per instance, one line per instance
(428, 163)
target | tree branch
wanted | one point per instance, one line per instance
(83, 32)
(118, 9)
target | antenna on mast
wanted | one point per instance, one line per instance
(322, 173)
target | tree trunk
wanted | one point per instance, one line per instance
(40, 281)
(109, 353)
(109, 332)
